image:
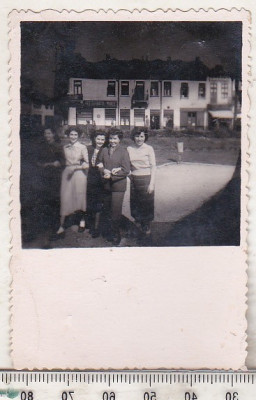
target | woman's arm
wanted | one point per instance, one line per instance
(85, 163)
(152, 160)
(124, 169)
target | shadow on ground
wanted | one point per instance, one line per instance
(215, 223)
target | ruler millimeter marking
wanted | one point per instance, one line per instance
(127, 385)
(130, 377)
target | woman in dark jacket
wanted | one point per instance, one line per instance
(114, 163)
(49, 161)
(95, 188)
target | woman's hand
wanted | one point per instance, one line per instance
(84, 165)
(55, 164)
(100, 165)
(107, 173)
(151, 188)
(115, 171)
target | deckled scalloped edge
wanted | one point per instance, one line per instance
(140, 11)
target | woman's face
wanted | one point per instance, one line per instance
(139, 139)
(114, 140)
(49, 136)
(73, 137)
(100, 140)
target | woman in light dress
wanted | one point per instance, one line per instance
(143, 171)
(73, 181)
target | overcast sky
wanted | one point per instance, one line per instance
(214, 42)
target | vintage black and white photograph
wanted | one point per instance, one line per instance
(130, 134)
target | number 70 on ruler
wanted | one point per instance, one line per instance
(131, 394)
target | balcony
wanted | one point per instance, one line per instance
(74, 97)
(139, 101)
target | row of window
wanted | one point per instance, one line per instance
(39, 106)
(139, 91)
(187, 118)
(110, 114)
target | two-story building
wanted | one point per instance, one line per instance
(126, 103)
(44, 112)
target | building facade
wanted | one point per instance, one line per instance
(156, 104)
(43, 112)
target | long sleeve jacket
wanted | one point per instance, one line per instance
(119, 159)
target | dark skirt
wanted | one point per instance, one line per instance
(95, 191)
(142, 203)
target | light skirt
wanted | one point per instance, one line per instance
(73, 192)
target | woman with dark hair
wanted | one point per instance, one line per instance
(95, 188)
(143, 170)
(49, 161)
(114, 163)
(73, 181)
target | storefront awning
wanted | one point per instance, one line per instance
(222, 114)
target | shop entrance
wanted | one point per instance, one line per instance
(155, 119)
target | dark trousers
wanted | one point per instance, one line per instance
(112, 210)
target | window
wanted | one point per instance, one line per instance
(224, 90)
(37, 106)
(111, 89)
(125, 117)
(201, 90)
(154, 89)
(168, 118)
(167, 88)
(124, 88)
(84, 116)
(213, 87)
(110, 114)
(213, 90)
(184, 90)
(77, 87)
(139, 116)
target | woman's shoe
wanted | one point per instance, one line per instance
(146, 229)
(81, 227)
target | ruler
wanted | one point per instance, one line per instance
(127, 385)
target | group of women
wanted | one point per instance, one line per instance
(94, 180)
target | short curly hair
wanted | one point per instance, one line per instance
(74, 128)
(115, 132)
(137, 131)
(94, 134)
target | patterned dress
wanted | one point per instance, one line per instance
(74, 182)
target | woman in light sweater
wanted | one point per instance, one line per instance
(143, 171)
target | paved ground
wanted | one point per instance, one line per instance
(180, 190)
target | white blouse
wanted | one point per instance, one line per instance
(142, 159)
(75, 154)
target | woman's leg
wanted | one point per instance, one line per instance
(116, 213)
(60, 234)
(106, 215)
(95, 228)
